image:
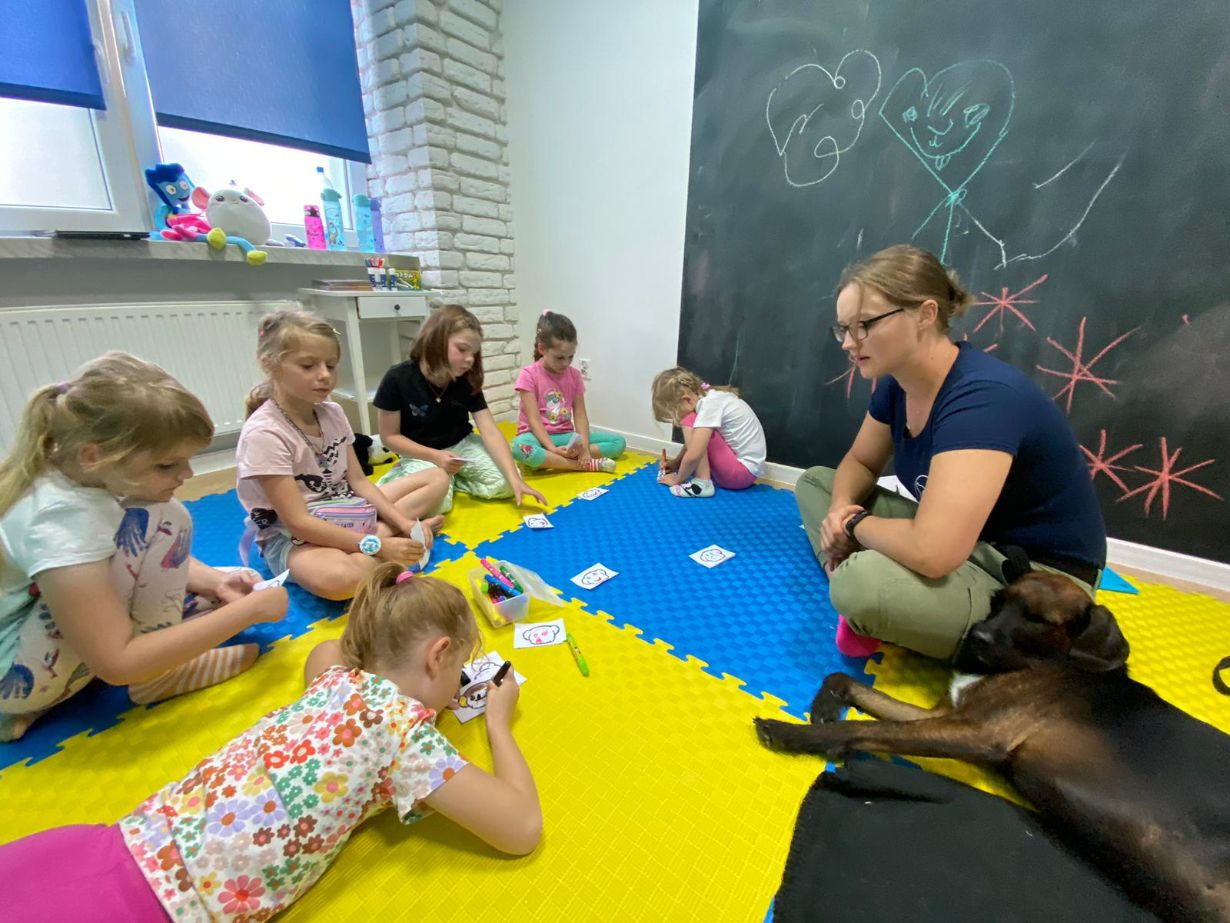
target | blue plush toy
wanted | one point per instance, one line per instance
(171, 184)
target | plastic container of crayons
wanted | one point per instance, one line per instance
(504, 592)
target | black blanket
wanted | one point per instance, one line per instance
(881, 842)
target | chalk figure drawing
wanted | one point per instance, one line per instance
(815, 115)
(952, 122)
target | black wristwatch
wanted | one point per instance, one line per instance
(853, 521)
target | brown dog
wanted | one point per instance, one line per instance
(1136, 785)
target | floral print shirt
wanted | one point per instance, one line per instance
(255, 825)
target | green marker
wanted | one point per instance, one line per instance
(511, 579)
(577, 655)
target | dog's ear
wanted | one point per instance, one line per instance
(1099, 646)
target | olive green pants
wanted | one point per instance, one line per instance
(887, 600)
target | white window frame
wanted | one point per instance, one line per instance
(127, 137)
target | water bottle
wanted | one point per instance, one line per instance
(363, 222)
(331, 200)
(314, 227)
(377, 225)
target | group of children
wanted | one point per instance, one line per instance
(97, 580)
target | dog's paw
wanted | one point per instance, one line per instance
(827, 707)
(780, 735)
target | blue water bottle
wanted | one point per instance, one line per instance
(362, 211)
(377, 225)
(331, 202)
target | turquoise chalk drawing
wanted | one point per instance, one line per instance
(952, 122)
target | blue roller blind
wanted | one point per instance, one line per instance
(47, 54)
(280, 71)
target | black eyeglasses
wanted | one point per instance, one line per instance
(859, 330)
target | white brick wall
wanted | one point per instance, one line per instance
(433, 92)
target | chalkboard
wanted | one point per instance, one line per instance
(1071, 160)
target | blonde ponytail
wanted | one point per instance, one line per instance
(388, 618)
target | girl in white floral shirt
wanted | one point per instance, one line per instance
(252, 827)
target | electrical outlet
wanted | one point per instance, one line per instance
(583, 366)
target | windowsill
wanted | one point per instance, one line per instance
(55, 248)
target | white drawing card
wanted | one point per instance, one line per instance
(272, 581)
(593, 576)
(711, 556)
(592, 494)
(472, 698)
(538, 521)
(419, 534)
(539, 634)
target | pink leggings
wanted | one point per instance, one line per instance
(70, 874)
(724, 464)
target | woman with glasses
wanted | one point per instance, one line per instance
(987, 454)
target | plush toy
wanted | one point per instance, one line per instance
(235, 218)
(172, 186)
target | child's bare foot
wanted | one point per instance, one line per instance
(12, 727)
(433, 524)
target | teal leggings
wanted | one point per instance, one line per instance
(528, 451)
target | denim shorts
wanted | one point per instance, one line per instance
(275, 550)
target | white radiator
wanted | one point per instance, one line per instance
(209, 346)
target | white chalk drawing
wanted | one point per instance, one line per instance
(815, 115)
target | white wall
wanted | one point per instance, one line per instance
(599, 130)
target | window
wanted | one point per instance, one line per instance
(284, 178)
(63, 167)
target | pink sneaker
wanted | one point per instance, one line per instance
(851, 643)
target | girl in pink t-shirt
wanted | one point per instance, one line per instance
(251, 828)
(300, 482)
(553, 428)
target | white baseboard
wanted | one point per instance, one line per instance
(1159, 561)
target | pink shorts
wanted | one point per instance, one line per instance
(70, 874)
(728, 472)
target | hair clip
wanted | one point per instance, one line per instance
(704, 386)
(546, 312)
(62, 387)
(405, 575)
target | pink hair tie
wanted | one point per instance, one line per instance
(405, 575)
(704, 386)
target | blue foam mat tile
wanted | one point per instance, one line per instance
(763, 616)
(217, 526)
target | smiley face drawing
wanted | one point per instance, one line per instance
(594, 577)
(713, 556)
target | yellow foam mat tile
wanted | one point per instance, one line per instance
(1177, 638)
(659, 803)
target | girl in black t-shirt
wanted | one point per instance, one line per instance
(426, 406)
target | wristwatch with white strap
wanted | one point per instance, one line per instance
(370, 545)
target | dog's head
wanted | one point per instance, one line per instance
(1043, 618)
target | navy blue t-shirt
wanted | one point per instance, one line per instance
(1048, 505)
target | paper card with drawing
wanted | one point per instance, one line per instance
(593, 576)
(711, 556)
(538, 521)
(272, 581)
(419, 534)
(592, 494)
(472, 697)
(539, 634)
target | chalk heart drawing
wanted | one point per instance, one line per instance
(954, 120)
(815, 114)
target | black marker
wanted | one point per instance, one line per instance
(501, 673)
